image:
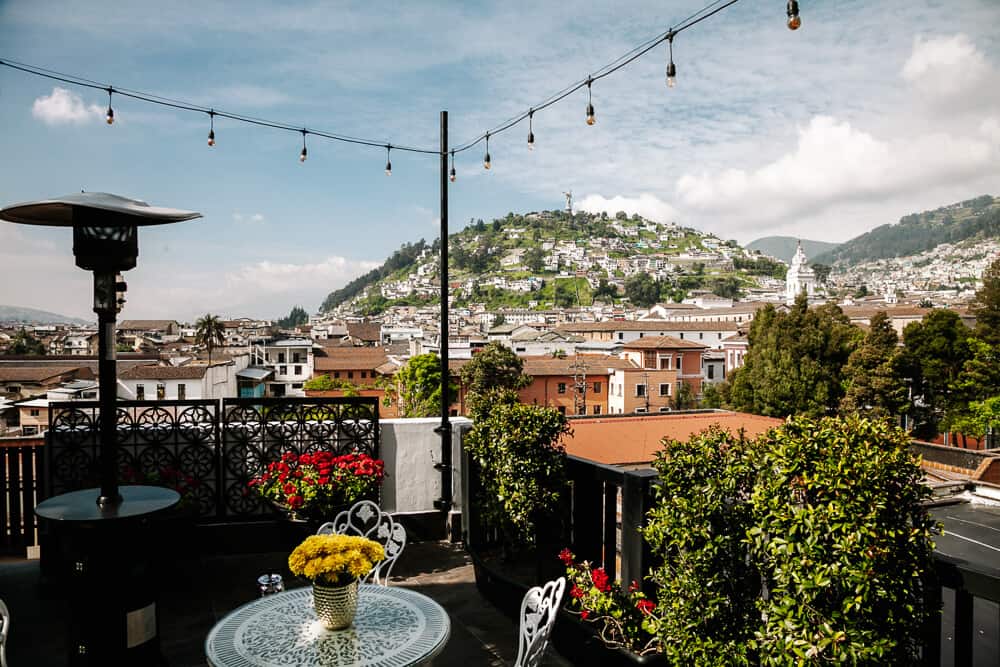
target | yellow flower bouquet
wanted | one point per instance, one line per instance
(335, 560)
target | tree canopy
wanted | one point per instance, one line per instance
(297, 316)
(210, 332)
(642, 290)
(419, 386)
(872, 383)
(494, 368)
(24, 343)
(795, 361)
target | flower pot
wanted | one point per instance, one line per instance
(336, 605)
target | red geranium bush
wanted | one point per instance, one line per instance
(624, 618)
(321, 484)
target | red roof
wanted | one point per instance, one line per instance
(630, 440)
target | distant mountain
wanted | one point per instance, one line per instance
(969, 220)
(783, 247)
(35, 316)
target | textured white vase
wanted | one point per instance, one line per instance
(336, 605)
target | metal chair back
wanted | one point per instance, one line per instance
(366, 519)
(538, 614)
(4, 631)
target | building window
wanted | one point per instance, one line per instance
(664, 409)
(282, 370)
(711, 371)
(678, 362)
(649, 359)
(582, 410)
(296, 359)
(161, 391)
(640, 411)
(181, 392)
(664, 389)
(33, 412)
(297, 385)
(621, 336)
(350, 375)
(13, 389)
(597, 409)
(701, 335)
(561, 387)
(562, 409)
(140, 392)
(597, 387)
(640, 390)
(281, 357)
(336, 374)
(364, 374)
(298, 370)
(682, 335)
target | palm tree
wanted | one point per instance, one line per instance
(210, 332)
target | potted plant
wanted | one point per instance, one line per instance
(624, 619)
(334, 563)
(317, 486)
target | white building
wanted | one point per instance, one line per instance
(161, 383)
(290, 360)
(800, 278)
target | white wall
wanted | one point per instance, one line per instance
(410, 448)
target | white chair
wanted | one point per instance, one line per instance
(365, 518)
(539, 609)
(4, 630)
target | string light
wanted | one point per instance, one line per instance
(388, 163)
(793, 15)
(531, 134)
(590, 105)
(711, 9)
(452, 176)
(671, 68)
(110, 117)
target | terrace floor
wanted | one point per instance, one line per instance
(200, 592)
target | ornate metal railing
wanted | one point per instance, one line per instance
(208, 450)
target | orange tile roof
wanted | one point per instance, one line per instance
(663, 343)
(592, 364)
(631, 440)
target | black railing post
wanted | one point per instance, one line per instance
(585, 522)
(636, 501)
(964, 628)
(444, 502)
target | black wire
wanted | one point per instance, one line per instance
(705, 12)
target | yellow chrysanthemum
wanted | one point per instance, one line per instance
(335, 559)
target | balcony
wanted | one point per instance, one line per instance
(214, 553)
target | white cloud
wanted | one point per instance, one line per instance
(238, 95)
(63, 106)
(284, 277)
(255, 218)
(647, 205)
(945, 65)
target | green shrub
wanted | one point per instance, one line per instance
(521, 459)
(844, 542)
(809, 544)
(706, 586)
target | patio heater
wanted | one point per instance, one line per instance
(101, 534)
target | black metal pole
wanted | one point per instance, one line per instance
(104, 306)
(444, 502)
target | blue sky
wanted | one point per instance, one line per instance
(868, 112)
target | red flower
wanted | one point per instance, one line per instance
(566, 556)
(584, 614)
(295, 502)
(633, 587)
(576, 592)
(289, 489)
(600, 579)
(645, 606)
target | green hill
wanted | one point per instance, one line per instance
(35, 316)
(783, 247)
(969, 220)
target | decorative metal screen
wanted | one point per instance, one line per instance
(206, 451)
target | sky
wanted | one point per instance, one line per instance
(870, 111)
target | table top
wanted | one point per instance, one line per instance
(137, 501)
(393, 626)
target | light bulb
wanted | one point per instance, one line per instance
(211, 137)
(303, 154)
(590, 115)
(110, 118)
(793, 15)
(211, 127)
(531, 141)
(671, 75)
(452, 176)
(388, 162)
(486, 162)
(388, 169)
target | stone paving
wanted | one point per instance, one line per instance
(196, 594)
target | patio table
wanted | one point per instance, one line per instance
(393, 626)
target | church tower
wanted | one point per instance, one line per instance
(799, 277)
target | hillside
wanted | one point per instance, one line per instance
(971, 220)
(783, 247)
(35, 316)
(552, 259)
